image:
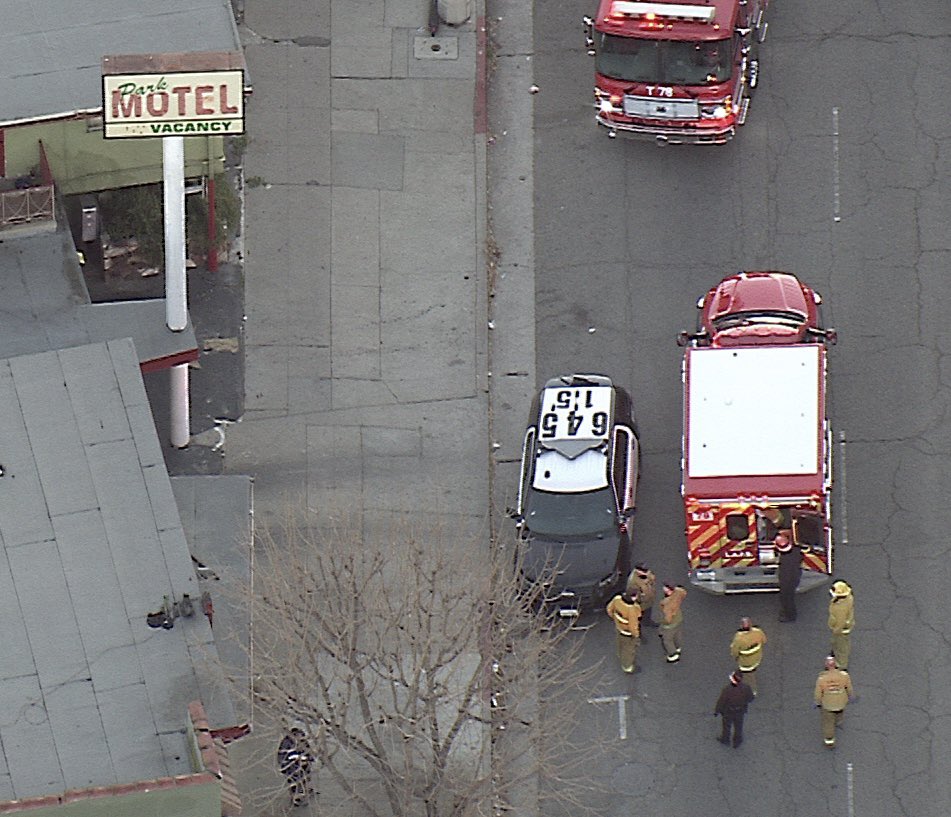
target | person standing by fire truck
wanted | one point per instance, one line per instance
(833, 692)
(790, 572)
(672, 624)
(626, 614)
(643, 583)
(747, 650)
(841, 621)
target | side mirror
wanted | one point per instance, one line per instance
(832, 336)
(683, 338)
(588, 30)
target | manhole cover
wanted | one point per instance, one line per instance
(633, 778)
(436, 48)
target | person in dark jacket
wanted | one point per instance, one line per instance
(294, 760)
(731, 707)
(790, 571)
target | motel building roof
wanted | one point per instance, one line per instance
(50, 55)
(46, 305)
(91, 541)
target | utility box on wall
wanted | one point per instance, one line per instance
(454, 12)
(89, 218)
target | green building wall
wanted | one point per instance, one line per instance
(82, 161)
(197, 799)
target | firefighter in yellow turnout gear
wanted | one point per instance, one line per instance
(833, 692)
(626, 614)
(671, 628)
(642, 583)
(841, 622)
(747, 650)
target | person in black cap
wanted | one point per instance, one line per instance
(790, 571)
(731, 707)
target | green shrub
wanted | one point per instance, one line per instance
(136, 212)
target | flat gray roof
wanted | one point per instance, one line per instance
(51, 50)
(90, 541)
(216, 511)
(46, 304)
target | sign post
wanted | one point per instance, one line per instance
(170, 96)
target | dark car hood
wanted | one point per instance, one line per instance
(581, 565)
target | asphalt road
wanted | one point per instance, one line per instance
(850, 122)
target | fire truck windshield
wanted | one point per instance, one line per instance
(761, 317)
(672, 62)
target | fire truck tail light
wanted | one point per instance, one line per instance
(703, 557)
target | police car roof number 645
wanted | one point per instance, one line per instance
(575, 413)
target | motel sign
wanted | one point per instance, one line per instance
(173, 103)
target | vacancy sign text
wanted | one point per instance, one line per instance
(206, 103)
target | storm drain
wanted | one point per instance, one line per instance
(436, 48)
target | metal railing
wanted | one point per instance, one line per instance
(24, 206)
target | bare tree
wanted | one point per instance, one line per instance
(427, 677)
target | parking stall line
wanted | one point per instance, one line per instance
(621, 701)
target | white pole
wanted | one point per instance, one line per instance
(173, 172)
(178, 404)
(176, 291)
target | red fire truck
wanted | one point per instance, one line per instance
(675, 72)
(757, 446)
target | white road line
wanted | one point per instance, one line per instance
(621, 711)
(849, 789)
(843, 515)
(835, 165)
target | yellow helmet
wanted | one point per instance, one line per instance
(840, 590)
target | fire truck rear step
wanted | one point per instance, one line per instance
(744, 108)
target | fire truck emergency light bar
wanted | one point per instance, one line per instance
(703, 14)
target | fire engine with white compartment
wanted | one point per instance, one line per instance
(675, 72)
(757, 445)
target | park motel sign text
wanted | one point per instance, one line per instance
(173, 103)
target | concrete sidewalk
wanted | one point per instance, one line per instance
(366, 339)
(365, 297)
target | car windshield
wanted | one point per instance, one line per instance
(672, 62)
(571, 515)
(760, 317)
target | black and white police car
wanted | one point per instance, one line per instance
(576, 489)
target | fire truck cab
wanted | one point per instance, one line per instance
(675, 72)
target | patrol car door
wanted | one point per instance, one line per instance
(528, 465)
(625, 468)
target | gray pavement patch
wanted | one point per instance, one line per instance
(355, 237)
(366, 53)
(423, 233)
(373, 161)
(355, 121)
(312, 42)
(355, 332)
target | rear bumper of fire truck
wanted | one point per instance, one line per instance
(727, 581)
(665, 134)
